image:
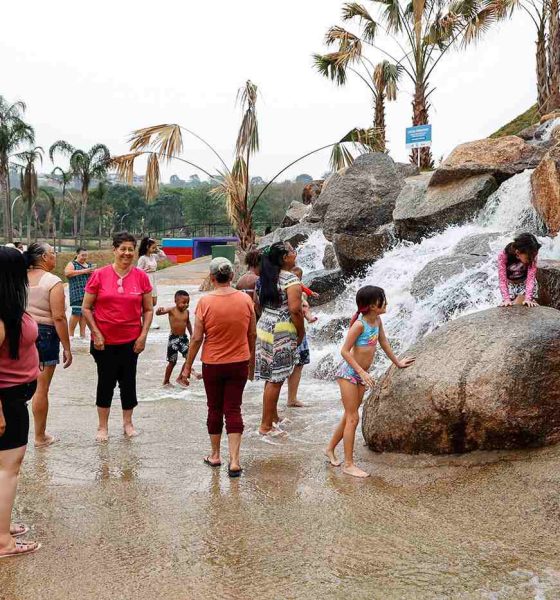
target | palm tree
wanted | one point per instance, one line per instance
(28, 181)
(423, 30)
(165, 142)
(86, 166)
(14, 132)
(62, 178)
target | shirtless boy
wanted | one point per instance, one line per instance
(180, 323)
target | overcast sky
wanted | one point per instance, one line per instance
(94, 74)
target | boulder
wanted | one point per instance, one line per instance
(326, 368)
(442, 269)
(548, 278)
(331, 332)
(407, 169)
(322, 203)
(478, 244)
(328, 284)
(501, 157)
(545, 184)
(311, 191)
(422, 208)
(363, 198)
(486, 381)
(329, 258)
(295, 214)
(295, 235)
(529, 133)
(355, 252)
(550, 116)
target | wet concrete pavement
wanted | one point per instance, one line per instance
(146, 519)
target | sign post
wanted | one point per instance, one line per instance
(419, 136)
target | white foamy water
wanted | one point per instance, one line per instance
(311, 252)
(507, 211)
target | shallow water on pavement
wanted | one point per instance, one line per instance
(145, 518)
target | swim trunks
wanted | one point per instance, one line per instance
(175, 345)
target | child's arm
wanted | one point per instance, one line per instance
(163, 311)
(502, 275)
(352, 336)
(189, 326)
(386, 347)
(530, 285)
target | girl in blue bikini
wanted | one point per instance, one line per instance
(358, 352)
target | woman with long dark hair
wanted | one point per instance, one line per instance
(280, 329)
(19, 369)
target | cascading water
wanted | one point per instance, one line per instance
(475, 288)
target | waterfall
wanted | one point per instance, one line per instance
(507, 211)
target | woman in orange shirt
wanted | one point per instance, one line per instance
(225, 327)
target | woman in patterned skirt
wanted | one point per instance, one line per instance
(280, 329)
(77, 272)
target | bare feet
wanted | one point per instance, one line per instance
(102, 435)
(335, 462)
(354, 471)
(168, 384)
(272, 433)
(295, 404)
(197, 376)
(46, 440)
(129, 430)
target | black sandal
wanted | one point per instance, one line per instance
(234, 472)
(211, 464)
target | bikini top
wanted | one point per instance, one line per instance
(369, 335)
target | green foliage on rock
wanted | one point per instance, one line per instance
(524, 120)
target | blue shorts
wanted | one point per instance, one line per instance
(48, 345)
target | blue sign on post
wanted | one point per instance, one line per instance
(419, 136)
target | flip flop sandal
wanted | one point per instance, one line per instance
(212, 464)
(234, 472)
(22, 548)
(22, 531)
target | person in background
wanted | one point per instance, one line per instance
(358, 352)
(225, 327)
(19, 246)
(77, 272)
(281, 328)
(517, 271)
(179, 323)
(48, 307)
(19, 369)
(118, 309)
(148, 256)
(247, 282)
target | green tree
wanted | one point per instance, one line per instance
(14, 133)
(86, 166)
(424, 30)
(28, 181)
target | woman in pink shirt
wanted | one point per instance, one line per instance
(118, 309)
(19, 369)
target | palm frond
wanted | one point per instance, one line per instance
(363, 140)
(392, 14)
(232, 190)
(152, 177)
(61, 146)
(352, 10)
(166, 140)
(340, 158)
(124, 166)
(331, 66)
(248, 136)
(386, 77)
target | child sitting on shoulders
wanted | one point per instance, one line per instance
(307, 293)
(517, 270)
(180, 323)
(358, 352)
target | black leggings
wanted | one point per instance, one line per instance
(14, 406)
(116, 364)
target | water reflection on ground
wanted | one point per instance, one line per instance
(145, 518)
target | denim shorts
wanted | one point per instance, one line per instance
(48, 345)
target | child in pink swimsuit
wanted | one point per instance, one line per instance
(517, 270)
(358, 352)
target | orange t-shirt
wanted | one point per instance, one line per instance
(226, 324)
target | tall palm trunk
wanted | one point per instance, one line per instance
(6, 204)
(245, 232)
(29, 211)
(85, 198)
(379, 120)
(420, 116)
(554, 56)
(542, 67)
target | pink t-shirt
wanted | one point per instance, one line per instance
(118, 315)
(26, 368)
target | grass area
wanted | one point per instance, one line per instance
(98, 257)
(528, 118)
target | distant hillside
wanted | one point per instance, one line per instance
(524, 120)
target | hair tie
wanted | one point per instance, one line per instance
(266, 251)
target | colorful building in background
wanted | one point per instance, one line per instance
(182, 250)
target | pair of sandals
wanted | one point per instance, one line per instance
(231, 472)
(22, 547)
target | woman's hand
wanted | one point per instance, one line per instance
(405, 362)
(507, 303)
(66, 358)
(530, 303)
(98, 341)
(367, 379)
(140, 344)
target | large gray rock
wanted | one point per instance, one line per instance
(548, 278)
(478, 244)
(297, 211)
(332, 331)
(323, 201)
(295, 235)
(329, 258)
(407, 169)
(364, 198)
(328, 284)
(355, 252)
(486, 381)
(422, 209)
